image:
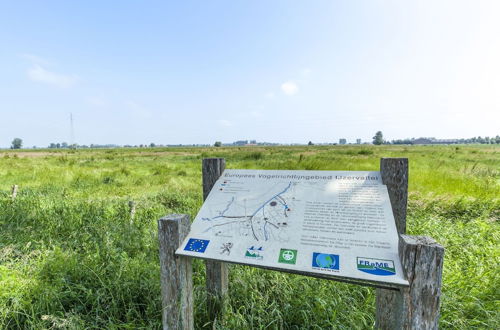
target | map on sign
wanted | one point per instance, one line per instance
(333, 223)
(263, 218)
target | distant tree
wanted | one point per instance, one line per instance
(17, 143)
(64, 145)
(403, 141)
(378, 139)
(310, 143)
(58, 145)
(52, 146)
(218, 144)
(152, 145)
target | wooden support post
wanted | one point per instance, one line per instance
(176, 273)
(394, 173)
(422, 261)
(415, 307)
(212, 169)
(216, 272)
(14, 191)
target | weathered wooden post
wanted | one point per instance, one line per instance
(131, 206)
(415, 307)
(394, 173)
(176, 273)
(14, 191)
(216, 272)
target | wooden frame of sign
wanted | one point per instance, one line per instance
(411, 307)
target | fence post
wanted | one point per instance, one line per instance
(415, 307)
(176, 273)
(131, 206)
(216, 272)
(14, 191)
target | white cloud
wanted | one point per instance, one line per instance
(35, 59)
(38, 74)
(224, 123)
(290, 88)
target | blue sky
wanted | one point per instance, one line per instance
(171, 72)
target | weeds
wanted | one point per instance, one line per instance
(71, 258)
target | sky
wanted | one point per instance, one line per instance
(189, 72)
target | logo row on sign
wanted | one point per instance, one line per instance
(322, 261)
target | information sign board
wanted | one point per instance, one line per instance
(330, 223)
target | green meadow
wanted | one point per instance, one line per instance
(71, 257)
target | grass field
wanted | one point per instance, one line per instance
(71, 257)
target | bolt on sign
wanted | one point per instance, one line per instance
(334, 224)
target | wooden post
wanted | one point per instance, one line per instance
(216, 272)
(14, 191)
(415, 307)
(394, 173)
(176, 273)
(422, 261)
(131, 206)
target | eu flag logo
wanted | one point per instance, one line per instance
(196, 245)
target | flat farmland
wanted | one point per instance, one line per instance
(72, 257)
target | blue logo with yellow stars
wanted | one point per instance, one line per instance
(196, 245)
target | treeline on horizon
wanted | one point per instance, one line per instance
(473, 140)
(17, 143)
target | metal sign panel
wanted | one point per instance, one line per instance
(336, 224)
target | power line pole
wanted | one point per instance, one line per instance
(72, 130)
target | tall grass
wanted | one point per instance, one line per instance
(71, 257)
